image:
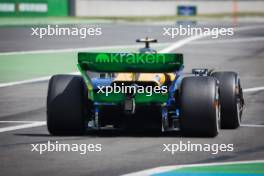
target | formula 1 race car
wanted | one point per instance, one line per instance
(145, 90)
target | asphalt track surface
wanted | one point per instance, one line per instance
(128, 152)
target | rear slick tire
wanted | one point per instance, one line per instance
(199, 101)
(231, 99)
(65, 105)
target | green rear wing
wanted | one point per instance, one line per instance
(130, 62)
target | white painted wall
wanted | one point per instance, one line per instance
(160, 7)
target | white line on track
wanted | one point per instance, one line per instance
(252, 125)
(187, 40)
(161, 169)
(31, 80)
(18, 127)
(254, 89)
(12, 121)
(25, 81)
(238, 40)
(78, 49)
(182, 42)
(30, 124)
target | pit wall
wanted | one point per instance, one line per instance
(19, 8)
(163, 7)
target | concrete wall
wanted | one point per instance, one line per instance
(161, 7)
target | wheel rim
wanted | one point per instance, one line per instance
(238, 102)
(218, 115)
(238, 113)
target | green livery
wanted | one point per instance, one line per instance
(130, 62)
(145, 90)
(127, 62)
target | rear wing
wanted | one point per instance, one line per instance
(130, 62)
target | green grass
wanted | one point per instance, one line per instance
(256, 168)
(18, 67)
(247, 168)
(29, 21)
(28, 66)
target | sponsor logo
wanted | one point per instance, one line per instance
(7, 7)
(133, 58)
(33, 7)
